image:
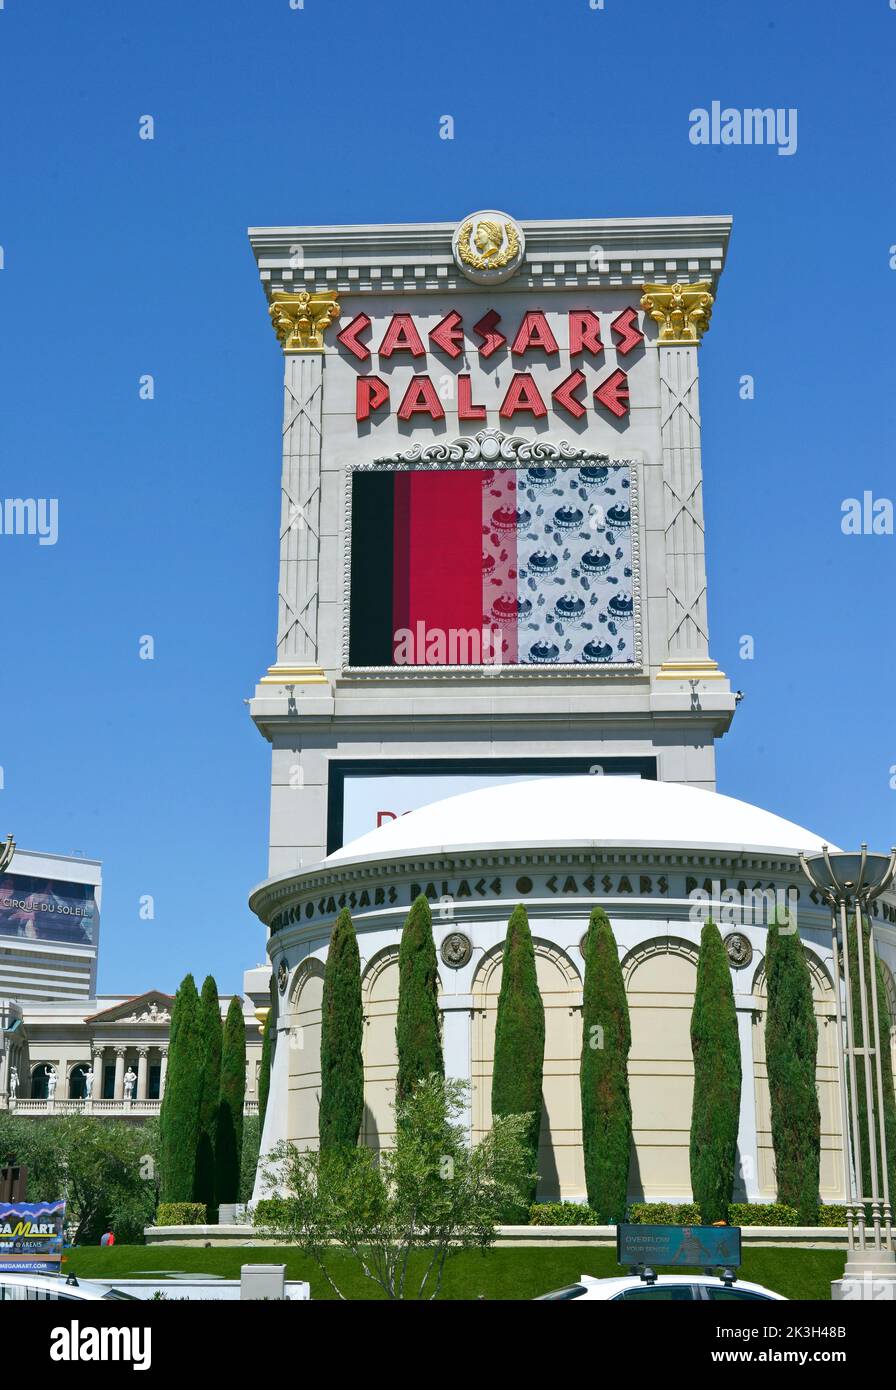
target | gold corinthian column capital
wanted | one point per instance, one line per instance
(300, 320)
(682, 311)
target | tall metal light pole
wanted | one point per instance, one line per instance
(849, 883)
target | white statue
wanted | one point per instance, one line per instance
(13, 1083)
(52, 1076)
(130, 1077)
(88, 1082)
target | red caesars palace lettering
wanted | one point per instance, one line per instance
(603, 387)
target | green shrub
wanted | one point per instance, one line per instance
(229, 1127)
(716, 1108)
(267, 1061)
(664, 1214)
(181, 1214)
(210, 1032)
(832, 1216)
(519, 1042)
(791, 1047)
(763, 1214)
(342, 1030)
(603, 1073)
(417, 1035)
(249, 1166)
(563, 1214)
(270, 1211)
(179, 1119)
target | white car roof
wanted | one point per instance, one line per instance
(623, 1281)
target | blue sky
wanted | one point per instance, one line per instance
(124, 257)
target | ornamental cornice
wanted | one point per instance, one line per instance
(608, 252)
(273, 895)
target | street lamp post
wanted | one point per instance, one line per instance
(849, 884)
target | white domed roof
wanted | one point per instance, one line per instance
(587, 810)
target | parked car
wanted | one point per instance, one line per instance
(55, 1288)
(678, 1288)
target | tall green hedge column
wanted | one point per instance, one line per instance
(179, 1117)
(229, 1137)
(791, 1047)
(212, 1037)
(417, 1030)
(342, 1030)
(717, 1076)
(606, 1107)
(519, 1035)
(264, 1068)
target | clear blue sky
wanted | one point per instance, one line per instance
(125, 257)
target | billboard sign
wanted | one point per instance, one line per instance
(365, 794)
(31, 1237)
(678, 1245)
(45, 909)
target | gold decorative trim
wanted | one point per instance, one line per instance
(498, 249)
(690, 670)
(294, 675)
(300, 320)
(682, 311)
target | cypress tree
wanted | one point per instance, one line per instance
(791, 1046)
(519, 1037)
(179, 1116)
(886, 1062)
(210, 1093)
(417, 1032)
(229, 1133)
(716, 1110)
(606, 1106)
(342, 1025)
(264, 1069)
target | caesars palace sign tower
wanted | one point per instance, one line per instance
(491, 531)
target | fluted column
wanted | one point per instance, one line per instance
(142, 1072)
(163, 1072)
(683, 313)
(300, 321)
(119, 1073)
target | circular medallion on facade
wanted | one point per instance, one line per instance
(282, 976)
(488, 247)
(740, 952)
(456, 949)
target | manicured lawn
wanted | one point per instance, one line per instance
(505, 1273)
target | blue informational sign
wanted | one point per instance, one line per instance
(31, 1236)
(678, 1245)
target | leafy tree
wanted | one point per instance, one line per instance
(210, 1092)
(267, 1061)
(717, 1077)
(417, 1031)
(519, 1040)
(249, 1165)
(791, 1047)
(229, 1135)
(180, 1114)
(342, 1026)
(105, 1169)
(402, 1214)
(606, 1106)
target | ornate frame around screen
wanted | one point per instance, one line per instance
(491, 448)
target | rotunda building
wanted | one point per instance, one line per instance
(660, 857)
